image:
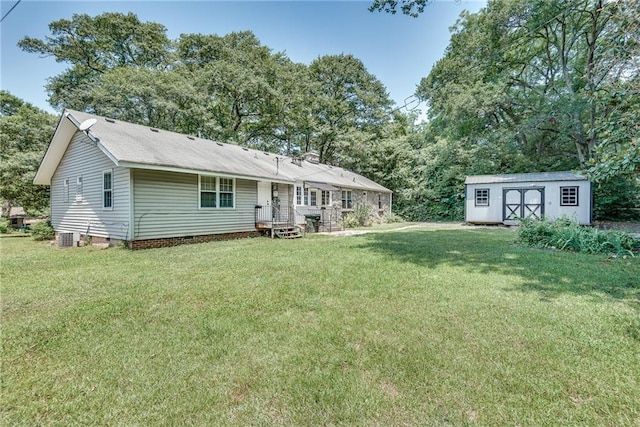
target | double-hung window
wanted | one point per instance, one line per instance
(313, 198)
(79, 190)
(226, 192)
(347, 199)
(107, 189)
(568, 196)
(482, 197)
(217, 192)
(65, 190)
(298, 196)
(326, 197)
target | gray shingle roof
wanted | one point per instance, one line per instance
(525, 177)
(130, 145)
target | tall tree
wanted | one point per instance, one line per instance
(25, 132)
(348, 99)
(530, 72)
(93, 46)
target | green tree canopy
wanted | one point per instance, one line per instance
(25, 132)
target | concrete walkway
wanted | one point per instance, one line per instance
(357, 232)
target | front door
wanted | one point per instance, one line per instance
(522, 203)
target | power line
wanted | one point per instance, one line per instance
(13, 7)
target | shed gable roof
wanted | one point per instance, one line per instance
(137, 146)
(525, 177)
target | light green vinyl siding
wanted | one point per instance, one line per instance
(86, 214)
(166, 205)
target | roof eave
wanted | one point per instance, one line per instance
(56, 149)
(165, 168)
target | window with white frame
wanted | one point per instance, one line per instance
(568, 196)
(79, 188)
(347, 199)
(65, 190)
(226, 192)
(217, 192)
(107, 189)
(313, 198)
(482, 197)
(379, 201)
(325, 197)
(298, 196)
(305, 191)
(208, 194)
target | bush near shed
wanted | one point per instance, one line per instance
(567, 234)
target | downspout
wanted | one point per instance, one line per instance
(131, 209)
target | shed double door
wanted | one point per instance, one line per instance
(520, 203)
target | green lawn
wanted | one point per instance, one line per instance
(454, 326)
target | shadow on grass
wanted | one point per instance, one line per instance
(550, 273)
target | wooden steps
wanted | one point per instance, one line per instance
(288, 232)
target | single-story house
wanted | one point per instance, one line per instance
(114, 181)
(504, 199)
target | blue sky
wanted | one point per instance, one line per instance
(397, 49)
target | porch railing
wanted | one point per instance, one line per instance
(310, 219)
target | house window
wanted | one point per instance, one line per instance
(226, 192)
(326, 197)
(79, 188)
(208, 193)
(313, 196)
(347, 200)
(298, 196)
(482, 197)
(306, 196)
(217, 192)
(65, 190)
(379, 201)
(107, 189)
(568, 196)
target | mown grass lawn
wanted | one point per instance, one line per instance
(416, 327)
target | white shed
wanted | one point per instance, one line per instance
(496, 199)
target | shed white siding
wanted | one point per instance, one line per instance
(166, 205)
(85, 214)
(494, 212)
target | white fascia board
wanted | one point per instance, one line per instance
(56, 149)
(133, 165)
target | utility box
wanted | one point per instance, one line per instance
(65, 240)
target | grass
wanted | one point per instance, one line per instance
(424, 326)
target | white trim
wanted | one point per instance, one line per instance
(79, 188)
(131, 205)
(217, 193)
(104, 190)
(200, 172)
(66, 185)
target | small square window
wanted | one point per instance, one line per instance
(482, 197)
(568, 196)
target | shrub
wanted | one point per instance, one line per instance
(4, 226)
(362, 215)
(392, 218)
(350, 221)
(42, 231)
(567, 234)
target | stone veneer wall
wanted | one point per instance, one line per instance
(371, 198)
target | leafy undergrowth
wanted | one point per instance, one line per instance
(422, 327)
(566, 234)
